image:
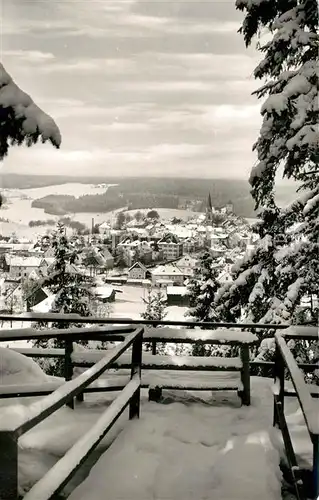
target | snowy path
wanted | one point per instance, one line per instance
(191, 450)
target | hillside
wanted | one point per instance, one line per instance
(138, 193)
(143, 193)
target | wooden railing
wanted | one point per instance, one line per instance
(285, 362)
(118, 329)
(12, 427)
(129, 332)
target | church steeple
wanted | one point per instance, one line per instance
(209, 211)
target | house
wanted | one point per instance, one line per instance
(93, 260)
(45, 305)
(187, 265)
(22, 266)
(37, 296)
(171, 246)
(217, 250)
(177, 296)
(167, 275)
(105, 229)
(45, 264)
(191, 245)
(108, 257)
(224, 277)
(138, 272)
(157, 254)
(105, 293)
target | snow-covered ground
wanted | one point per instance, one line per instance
(130, 304)
(191, 446)
(19, 210)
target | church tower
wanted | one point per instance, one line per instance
(209, 212)
(209, 222)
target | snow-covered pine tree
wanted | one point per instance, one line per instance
(268, 287)
(202, 288)
(21, 121)
(73, 291)
(155, 310)
(155, 305)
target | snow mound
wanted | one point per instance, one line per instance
(245, 457)
(15, 368)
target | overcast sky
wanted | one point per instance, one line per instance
(137, 87)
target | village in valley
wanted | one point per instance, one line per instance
(127, 257)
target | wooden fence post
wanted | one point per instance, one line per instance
(154, 347)
(279, 396)
(315, 467)
(154, 343)
(68, 366)
(134, 410)
(245, 375)
(8, 465)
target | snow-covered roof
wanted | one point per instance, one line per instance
(48, 260)
(15, 261)
(17, 246)
(176, 290)
(187, 261)
(138, 264)
(167, 271)
(104, 292)
(105, 225)
(44, 306)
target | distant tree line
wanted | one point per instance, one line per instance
(113, 199)
(66, 221)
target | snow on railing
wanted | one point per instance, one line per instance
(59, 475)
(284, 360)
(14, 424)
(59, 318)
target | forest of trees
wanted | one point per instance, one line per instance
(67, 221)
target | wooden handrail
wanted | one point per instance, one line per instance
(78, 333)
(284, 359)
(56, 478)
(301, 332)
(53, 317)
(118, 333)
(39, 352)
(39, 410)
(12, 426)
(302, 391)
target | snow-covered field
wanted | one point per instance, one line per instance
(75, 189)
(19, 210)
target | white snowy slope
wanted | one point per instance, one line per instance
(35, 120)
